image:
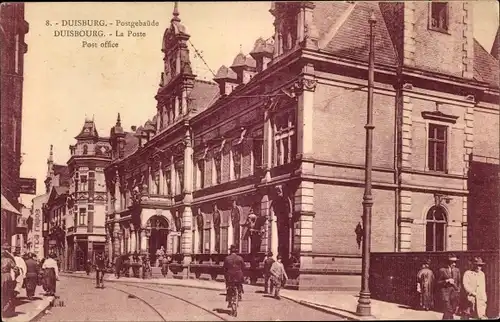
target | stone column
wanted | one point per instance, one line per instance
(187, 215)
(133, 241)
(265, 205)
(161, 183)
(175, 243)
(144, 241)
(267, 146)
(274, 234)
(212, 237)
(230, 234)
(170, 249)
(196, 237)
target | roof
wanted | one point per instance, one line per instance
(262, 46)
(344, 29)
(63, 172)
(202, 95)
(131, 144)
(496, 44)
(225, 73)
(88, 130)
(243, 61)
(485, 66)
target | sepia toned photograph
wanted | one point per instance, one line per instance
(250, 161)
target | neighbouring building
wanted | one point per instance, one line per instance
(13, 28)
(276, 145)
(86, 201)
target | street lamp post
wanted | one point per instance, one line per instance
(364, 305)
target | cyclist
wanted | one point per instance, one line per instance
(233, 272)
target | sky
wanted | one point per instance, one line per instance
(64, 82)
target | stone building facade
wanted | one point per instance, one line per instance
(87, 198)
(270, 157)
(13, 29)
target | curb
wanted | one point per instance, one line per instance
(325, 309)
(44, 308)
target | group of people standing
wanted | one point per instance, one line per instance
(471, 303)
(25, 272)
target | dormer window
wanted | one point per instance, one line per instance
(85, 149)
(439, 17)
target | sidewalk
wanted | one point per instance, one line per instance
(30, 310)
(342, 304)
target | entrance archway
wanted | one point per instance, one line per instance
(159, 235)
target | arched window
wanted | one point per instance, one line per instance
(435, 229)
(85, 149)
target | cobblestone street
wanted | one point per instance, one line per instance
(81, 301)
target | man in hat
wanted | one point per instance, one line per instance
(449, 283)
(475, 289)
(100, 268)
(9, 274)
(32, 272)
(425, 286)
(268, 262)
(278, 276)
(233, 271)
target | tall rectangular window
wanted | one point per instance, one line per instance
(83, 183)
(224, 240)
(91, 183)
(237, 155)
(284, 138)
(201, 171)
(439, 16)
(257, 154)
(218, 167)
(437, 147)
(82, 217)
(206, 240)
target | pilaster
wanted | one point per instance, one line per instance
(469, 140)
(187, 234)
(468, 42)
(409, 34)
(406, 149)
(304, 209)
(265, 205)
(267, 146)
(304, 88)
(405, 221)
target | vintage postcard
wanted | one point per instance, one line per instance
(284, 160)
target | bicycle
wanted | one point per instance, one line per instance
(232, 291)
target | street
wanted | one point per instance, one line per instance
(81, 301)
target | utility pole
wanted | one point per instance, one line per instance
(364, 304)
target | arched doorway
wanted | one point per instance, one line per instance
(282, 208)
(159, 235)
(435, 229)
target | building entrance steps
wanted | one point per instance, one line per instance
(339, 303)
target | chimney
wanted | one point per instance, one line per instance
(227, 80)
(244, 67)
(262, 53)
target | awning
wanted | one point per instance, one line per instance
(6, 205)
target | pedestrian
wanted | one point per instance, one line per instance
(9, 274)
(118, 266)
(164, 265)
(449, 284)
(51, 274)
(474, 283)
(425, 286)
(278, 276)
(88, 267)
(100, 267)
(21, 264)
(268, 262)
(32, 272)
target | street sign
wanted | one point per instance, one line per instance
(27, 186)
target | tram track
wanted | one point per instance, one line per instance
(163, 292)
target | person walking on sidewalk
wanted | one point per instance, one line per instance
(475, 289)
(118, 266)
(425, 286)
(9, 274)
(268, 262)
(51, 272)
(449, 284)
(164, 265)
(100, 268)
(21, 264)
(32, 272)
(278, 276)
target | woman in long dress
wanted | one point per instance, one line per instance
(425, 286)
(51, 272)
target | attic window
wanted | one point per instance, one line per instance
(439, 16)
